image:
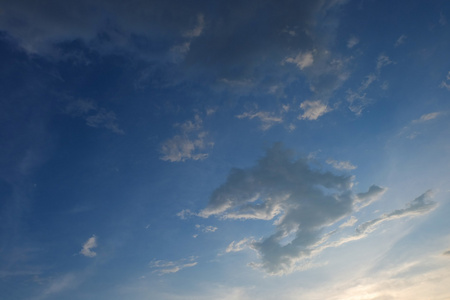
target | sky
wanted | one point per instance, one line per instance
(226, 150)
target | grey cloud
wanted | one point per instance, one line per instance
(230, 40)
(302, 201)
(421, 205)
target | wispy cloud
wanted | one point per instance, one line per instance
(94, 116)
(421, 205)
(312, 110)
(302, 60)
(90, 244)
(267, 119)
(446, 83)
(163, 267)
(352, 42)
(239, 246)
(400, 40)
(428, 117)
(189, 144)
(341, 165)
(358, 99)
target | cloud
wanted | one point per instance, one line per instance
(198, 29)
(446, 252)
(93, 115)
(163, 267)
(185, 213)
(367, 198)
(267, 119)
(187, 145)
(341, 165)
(313, 110)
(358, 99)
(428, 117)
(299, 200)
(421, 205)
(302, 60)
(383, 61)
(88, 246)
(349, 223)
(205, 229)
(302, 203)
(446, 83)
(352, 42)
(239, 246)
(400, 40)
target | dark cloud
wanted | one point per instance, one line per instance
(229, 40)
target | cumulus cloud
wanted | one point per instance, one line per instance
(88, 246)
(421, 205)
(189, 144)
(163, 267)
(341, 165)
(267, 119)
(312, 110)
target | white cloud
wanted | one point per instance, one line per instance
(341, 165)
(187, 145)
(267, 119)
(302, 60)
(163, 267)
(205, 229)
(352, 42)
(313, 110)
(88, 246)
(383, 61)
(400, 40)
(349, 223)
(185, 213)
(428, 117)
(239, 246)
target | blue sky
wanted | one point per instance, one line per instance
(225, 149)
